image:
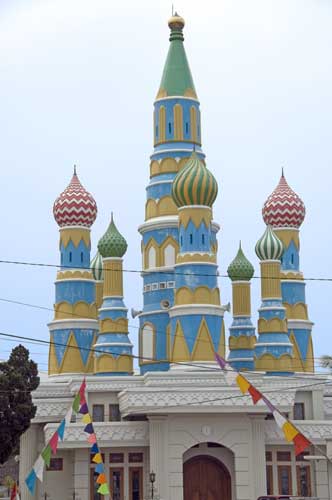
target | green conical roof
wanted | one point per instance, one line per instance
(112, 244)
(96, 266)
(176, 79)
(194, 184)
(240, 269)
(269, 246)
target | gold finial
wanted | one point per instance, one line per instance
(176, 22)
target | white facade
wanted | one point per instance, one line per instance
(169, 418)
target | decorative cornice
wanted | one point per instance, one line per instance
(114, 433)
(185, 310)
(73, 323)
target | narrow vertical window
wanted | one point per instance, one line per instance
(187, 128)
(203, 239)
(70, 256)
(191, 239)
(170, 127)
(82, 257)
(292, 258)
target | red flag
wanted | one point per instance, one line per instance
(82, 392)
(54, 442)
(301, 443)
(255, 394)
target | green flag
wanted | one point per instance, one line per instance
(46, 454)
(76, 403)
(103, 489)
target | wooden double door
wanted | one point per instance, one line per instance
(205, 478)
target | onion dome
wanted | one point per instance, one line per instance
(240, 269)
(75, 206)
(269, 246)
(283, 208)
(96, 266)
(112, 244)
(194, 184)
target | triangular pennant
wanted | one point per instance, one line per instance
(101, 479)
(100, 468)
(92, 439)
(290, 431)
(61, 429)
(69, 415)
(39, 468)
(255, 394)
(94, 448)
(221, 362)
(82, 391)
(243, 383)
(230, 376)
(83, 401)
(86, 419)
(103, 489)
(280, 420)
(97, 459)
(89, 429)
(301, 443)
(269, 404)
(31, 482)
(46, 454)
(54, 442)
(76, 403)
(84, 409)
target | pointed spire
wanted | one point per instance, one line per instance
(282, 172)
(176, 79)
(75, 173)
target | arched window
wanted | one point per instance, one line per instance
(147, 343)
(152, 257)
(169, 255)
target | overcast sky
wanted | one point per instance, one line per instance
(77, 84)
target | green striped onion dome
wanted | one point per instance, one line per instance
(96, 266)
(269, 246)
(194, 184)
(240, 269)
(112, 244)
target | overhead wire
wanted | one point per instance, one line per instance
(35, 306)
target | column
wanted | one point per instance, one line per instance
(258, 464)
(81, 477)
(158, 454)
(28, 456)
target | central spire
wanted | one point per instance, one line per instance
(176, 79)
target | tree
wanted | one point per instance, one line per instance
(18, 377)
(326, 361)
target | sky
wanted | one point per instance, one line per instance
(77, 84)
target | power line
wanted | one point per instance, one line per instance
(129, 325)
(159, 270)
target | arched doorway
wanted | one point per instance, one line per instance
(205, 478)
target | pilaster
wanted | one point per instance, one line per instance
(257, 462)
(158, 453)
(28, 456)
(81, 477)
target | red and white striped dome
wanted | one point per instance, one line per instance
(283, 208)
(75, 206)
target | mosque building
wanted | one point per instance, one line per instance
(176, 426)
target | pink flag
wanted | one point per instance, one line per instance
(92, 439)
(54, 442)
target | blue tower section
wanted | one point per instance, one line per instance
(177, 132)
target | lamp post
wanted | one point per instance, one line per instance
(152, 481)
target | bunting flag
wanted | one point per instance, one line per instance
(14, 493)
(291, 433)
(79, 405)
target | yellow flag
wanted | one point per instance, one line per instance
(86, 419)
(242, 383)
(290, 431)
(97, 459)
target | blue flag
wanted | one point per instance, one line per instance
(61, 429)
(31, 482)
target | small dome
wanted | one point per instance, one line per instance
(284, 208)
(240, 269)
(75, 206)
(269, 246)
(176, 22)
(112, 244)
(96, 266)
(194, 184)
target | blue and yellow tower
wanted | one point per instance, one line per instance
(75, 324)
(242, 336)
(285, 212)
(196, 318)
(273, 350)
(113, 349)
(177, 131)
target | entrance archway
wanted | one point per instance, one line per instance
(206, 478)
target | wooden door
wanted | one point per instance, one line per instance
(135, 483)
(205, 478)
